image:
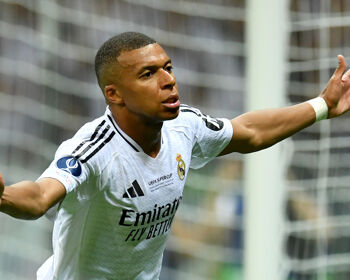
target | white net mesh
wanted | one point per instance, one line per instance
(317, 232)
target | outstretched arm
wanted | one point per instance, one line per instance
(30, 200)
(258, 130)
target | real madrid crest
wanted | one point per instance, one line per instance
(181, 167)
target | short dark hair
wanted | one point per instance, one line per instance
(112, 48)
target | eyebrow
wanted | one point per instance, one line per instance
(152, 67)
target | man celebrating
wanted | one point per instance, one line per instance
(116, 185)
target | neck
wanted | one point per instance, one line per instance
(146, 133)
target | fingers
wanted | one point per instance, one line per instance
(338, 73)
(346, 77)
(1, 180)
(2, 185)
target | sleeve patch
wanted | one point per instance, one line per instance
(212, 123)
(69, 164)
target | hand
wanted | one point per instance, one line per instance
(337, 92)
(2, 186)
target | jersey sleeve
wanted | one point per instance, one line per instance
(211, 136)
(67, 168)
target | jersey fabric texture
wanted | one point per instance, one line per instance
(120, 203)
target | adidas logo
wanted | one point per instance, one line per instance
(133, 191)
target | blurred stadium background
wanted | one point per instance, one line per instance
(48, 89)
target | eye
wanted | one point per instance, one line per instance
(169, 68)
(146, 75)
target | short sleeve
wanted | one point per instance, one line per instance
(211, 136)
(66, 168)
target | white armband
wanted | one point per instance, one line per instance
(321, 108)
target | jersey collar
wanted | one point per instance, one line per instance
(136, 147)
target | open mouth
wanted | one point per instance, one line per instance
(172, 102)
(171, 99)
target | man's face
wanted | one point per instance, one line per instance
(147, 84)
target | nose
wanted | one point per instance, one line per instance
(167, 80)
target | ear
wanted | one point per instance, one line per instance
(112, 95)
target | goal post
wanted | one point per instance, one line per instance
(266, 31)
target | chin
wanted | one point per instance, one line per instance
(172, 114)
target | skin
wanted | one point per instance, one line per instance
(143, 93)
(261, 129)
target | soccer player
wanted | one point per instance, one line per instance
(115, 186)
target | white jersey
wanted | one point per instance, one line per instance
(120, 203)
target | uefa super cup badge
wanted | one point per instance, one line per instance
(181, 167)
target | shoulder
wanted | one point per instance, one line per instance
(88, 141)
(188, 116)
(194, 118)
(91, 129)
(186, 123)
(190, 112)
(191, 116)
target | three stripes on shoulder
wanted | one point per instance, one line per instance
(94, 144)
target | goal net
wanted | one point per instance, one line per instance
(317, 231)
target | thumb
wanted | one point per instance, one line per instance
(338, 73)
(2, 184)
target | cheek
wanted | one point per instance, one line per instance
(148, 93)
(143, 99)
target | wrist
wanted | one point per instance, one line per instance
(320, 107)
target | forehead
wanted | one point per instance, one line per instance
(152, 54)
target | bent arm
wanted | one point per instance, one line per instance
(258, 130)
(30, 200)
